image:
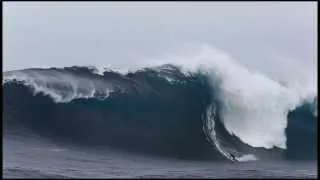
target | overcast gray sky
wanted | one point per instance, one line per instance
(41, 34)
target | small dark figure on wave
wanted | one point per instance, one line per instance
(233, 157)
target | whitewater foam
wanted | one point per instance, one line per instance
(255, 107)
(247, 157)
(61, 87)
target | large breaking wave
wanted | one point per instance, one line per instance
(204, 110)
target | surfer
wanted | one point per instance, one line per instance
(233, 157)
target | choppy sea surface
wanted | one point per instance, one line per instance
(33, 158)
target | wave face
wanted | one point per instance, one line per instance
(162, 110)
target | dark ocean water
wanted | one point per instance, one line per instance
(33, 157)
(153, 123)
